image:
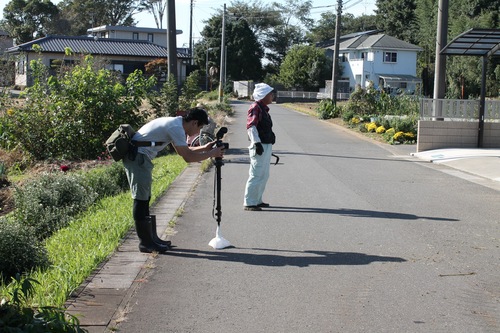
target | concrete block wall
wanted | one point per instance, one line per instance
(244, 89)
(491, 135)
(455, 134)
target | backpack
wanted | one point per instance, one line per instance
(119, 143)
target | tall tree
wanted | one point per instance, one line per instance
(26, 20)
(244, 53)
(85, 14)
(426, 15)
(325, 28)
(464, 73)
(278, 42)
(155, 7)
(397, 18)
(260, 17)
(305, 67)
(294, 21)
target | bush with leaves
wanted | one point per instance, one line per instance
(189, 92)
(48, 203)
(16, 316)
(20, 250)
(327, 109)
(108, 181)
(165, 102)
(69, 116)
(362, 102)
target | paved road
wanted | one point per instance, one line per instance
(359, 238)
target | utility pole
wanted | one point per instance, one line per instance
(222, 57)
(335, 70)
(440, 69)
(172, 40)
(191, 32)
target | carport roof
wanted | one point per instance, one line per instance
(400, 77)
(475, 42)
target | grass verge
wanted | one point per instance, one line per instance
(77, 250)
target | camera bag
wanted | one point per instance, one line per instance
(119, 144)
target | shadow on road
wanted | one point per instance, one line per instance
(305, 259)
(356, 213)
(390, 159)
(232, 156)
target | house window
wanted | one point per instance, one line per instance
(103, 34)
(150, 38)
(343, 56)
(115, 67)
(364, 55)
(135, 36)
(390, 57)
(403, 85)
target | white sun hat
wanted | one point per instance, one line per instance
(261, 90)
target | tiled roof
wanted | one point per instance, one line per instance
(327, 43)
(378, 41)
(97, 46)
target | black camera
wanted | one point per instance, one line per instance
(219, 136)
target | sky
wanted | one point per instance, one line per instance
(204, 9)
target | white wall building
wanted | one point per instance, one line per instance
(378, 59)
(153, 35)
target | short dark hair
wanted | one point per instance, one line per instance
(198, 114)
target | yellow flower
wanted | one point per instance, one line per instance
(409, 136)
(399, 136)
(371, 127)
(355, 120)
(380, 130)
(10, 112)
(390, 131)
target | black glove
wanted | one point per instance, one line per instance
(258, 148)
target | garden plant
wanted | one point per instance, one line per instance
(394, 118)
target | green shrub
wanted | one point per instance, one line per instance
(327, 109)
(69, 116)
(347, 114)
(16, 316)
(212, 95)
(20, 250)
(48, 203)
(108, 181)
(165, 102)
(404, 124)
(190, 90)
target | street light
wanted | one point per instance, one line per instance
(206, 69)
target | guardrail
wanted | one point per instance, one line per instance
(458, 109)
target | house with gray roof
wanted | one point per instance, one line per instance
(153, 35)
(377, 59)
(124, 55)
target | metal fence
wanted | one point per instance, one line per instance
(458, 109)
(305, 95)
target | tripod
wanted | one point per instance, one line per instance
(219, 242)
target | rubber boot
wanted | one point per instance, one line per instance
(145, 234)
(157, 239)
